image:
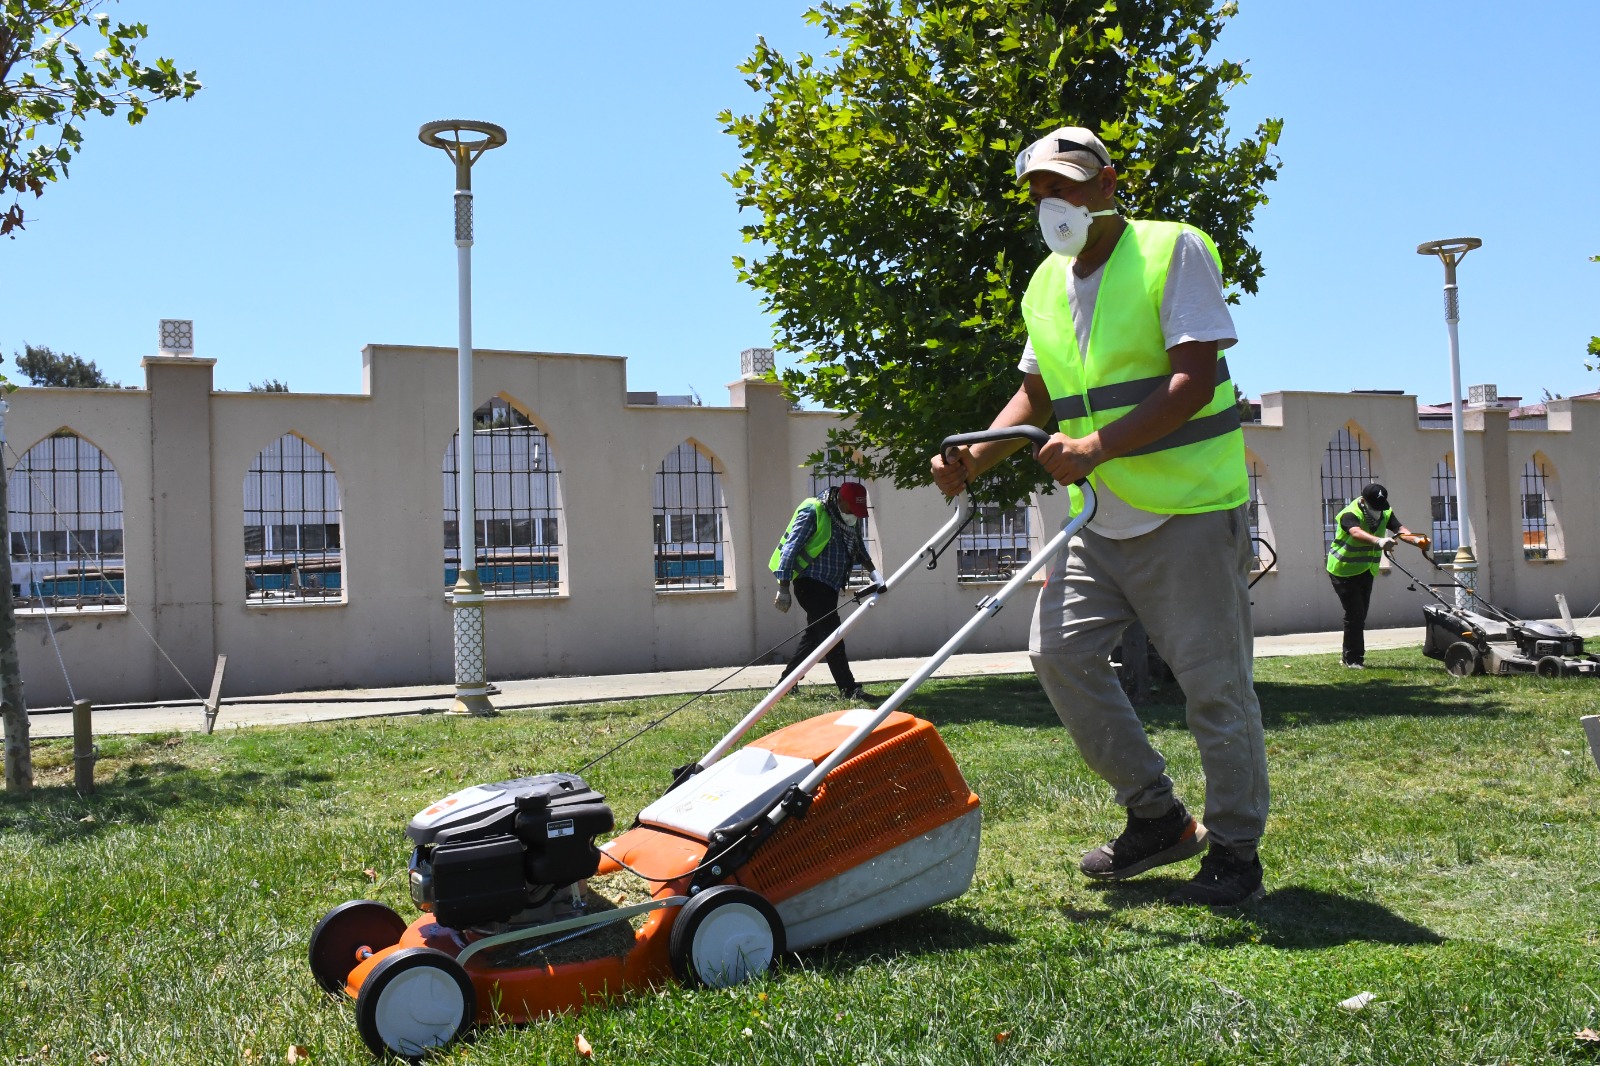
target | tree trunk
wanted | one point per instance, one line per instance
(19, 758)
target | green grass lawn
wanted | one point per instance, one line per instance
(1433, 841)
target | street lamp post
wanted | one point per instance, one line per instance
(1450, 252)
(472, 679)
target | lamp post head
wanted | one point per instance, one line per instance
(1450, 251)
(446, 134)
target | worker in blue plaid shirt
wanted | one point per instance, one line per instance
(812, 563)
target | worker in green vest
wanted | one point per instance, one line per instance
(1366, 528)
(1126, 324)
(812, 563)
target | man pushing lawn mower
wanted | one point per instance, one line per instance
(1126, 320)
(1367, 528)
(812, 563)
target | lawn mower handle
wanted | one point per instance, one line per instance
(987, 608)
(949, 530)
(742, 840)
(1430, 587)
(1032, 434)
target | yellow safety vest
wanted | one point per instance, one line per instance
(1348, 556)
(1197, 467)
(813, 545)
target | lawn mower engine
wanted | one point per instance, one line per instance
(1535, 640)
(496, 853)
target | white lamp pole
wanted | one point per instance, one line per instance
(472, 678)
(1451, 252)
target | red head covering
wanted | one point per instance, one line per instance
(853, 498)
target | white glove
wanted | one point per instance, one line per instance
(784, 598)
(1385, 543)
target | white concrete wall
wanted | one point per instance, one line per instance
(1290, 441)
(182, 452)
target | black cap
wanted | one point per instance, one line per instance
(1376, 495)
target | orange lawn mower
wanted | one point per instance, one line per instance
(817, 830)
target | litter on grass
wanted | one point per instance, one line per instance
(1359, 1001)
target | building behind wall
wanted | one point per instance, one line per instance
(627, 532)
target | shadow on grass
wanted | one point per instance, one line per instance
(1292, 917)
(1011, 700)
(1018, 701)
(146, 794)
(932, 932)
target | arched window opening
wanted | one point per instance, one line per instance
(997, 542)
(821, 482)
(690, 523)
(1541, 528)
(517, 505)
(66, 527)
(1347, 468)
(1446, 533)
(292, 526)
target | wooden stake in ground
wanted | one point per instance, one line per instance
(214, 704)
(19, 759)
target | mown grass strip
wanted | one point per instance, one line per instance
(1432, 842)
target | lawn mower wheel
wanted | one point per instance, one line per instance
(415, 1000)
(724, 936)
(1462, 659)
(347, 935)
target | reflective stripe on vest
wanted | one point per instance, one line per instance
(1349, 557)
(1122, 394)
(1197, 467)
(814, 544)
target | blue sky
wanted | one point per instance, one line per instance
(291, 212)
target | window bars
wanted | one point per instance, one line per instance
(995, 544)
(1346, 470)
(292, 522)
(518, 505)
(821, 482)
(690, 522)
(1538, 541)
(1446, 523)
(66, 527)
(1257, 515)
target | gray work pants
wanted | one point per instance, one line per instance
(1187, 582)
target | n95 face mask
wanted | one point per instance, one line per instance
(1066, 225)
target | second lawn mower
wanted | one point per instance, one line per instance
(820, 829)
(1487, 640)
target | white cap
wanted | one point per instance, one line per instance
(1071, 151)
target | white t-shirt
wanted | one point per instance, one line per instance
(1192, 309)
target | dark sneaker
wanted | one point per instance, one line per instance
(1224, 880)
(1145, 844)
(856, 692)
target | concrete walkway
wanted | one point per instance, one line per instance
(298, 707)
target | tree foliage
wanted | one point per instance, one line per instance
(270, 385)
(47, 87)
(61, 370)
(895, 241)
